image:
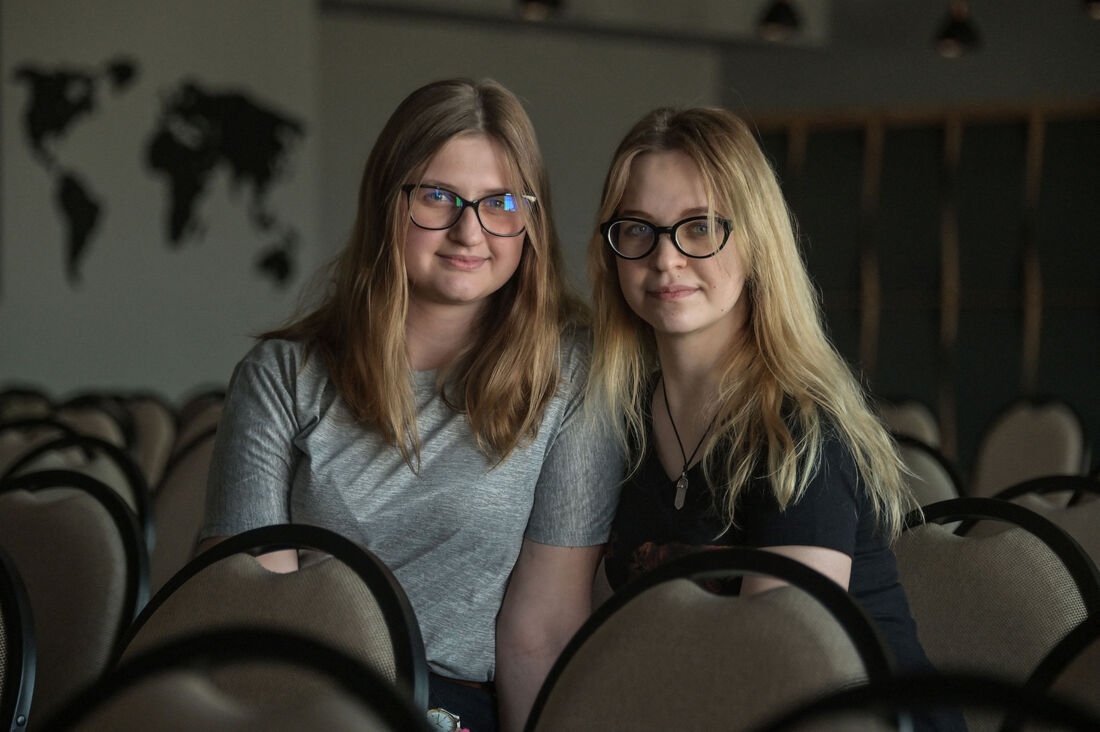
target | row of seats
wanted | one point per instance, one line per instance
(1028, 438)
(1013, 609)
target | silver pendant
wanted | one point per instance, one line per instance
(681, 491)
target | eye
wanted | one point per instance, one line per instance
(501, 204)
(698, 228)
(438, 195)
(637, 230)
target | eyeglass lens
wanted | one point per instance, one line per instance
(501, 214)
(694, 237)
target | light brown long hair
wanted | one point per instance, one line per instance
(786, 386)
(505, 378)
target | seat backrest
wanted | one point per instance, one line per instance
(24, 403)
(93, 422)
(348, 600)
(932, 477)
(202, 421)
(83, 563)
(1026, 440)
(194, 682)
(178, 510)
(20, 436)
(665, 653)
(18, 656)
(982, 697)
(993, 604)
(912, 418)
(154, 433)
(1072, 668)
(102, 460)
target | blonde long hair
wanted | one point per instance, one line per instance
(511, 369)
(786, 386)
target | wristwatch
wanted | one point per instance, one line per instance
(442, 720)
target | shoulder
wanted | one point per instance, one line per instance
(575, 353)
(281, 360)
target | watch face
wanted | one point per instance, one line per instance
(441, 719)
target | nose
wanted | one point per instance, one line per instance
(666, 256)
(466, 230)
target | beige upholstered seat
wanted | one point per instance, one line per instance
(931, 477)
(178, 509)
(349, 601)
(203, 421)
(102, 460)
(1048, 497)
(19, 437)
(664, 653)
(16, 403)
(987, 699)
(995, 604)
(911, 418)
(154, 434)
(194, 684)
(93, 422)
(1027, 440)
(82, 561)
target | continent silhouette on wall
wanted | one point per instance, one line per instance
(57, 100)
(201, 130)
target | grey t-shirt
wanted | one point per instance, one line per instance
(288, 450)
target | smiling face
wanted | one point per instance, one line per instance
(682, 298)
(463, 265)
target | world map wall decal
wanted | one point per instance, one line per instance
(199, 131)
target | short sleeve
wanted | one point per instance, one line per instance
(578, 484)
(827, 514)
(254, 457)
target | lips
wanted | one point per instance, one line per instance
(672, 292)
(465, 263)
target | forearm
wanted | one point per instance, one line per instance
(548, 598)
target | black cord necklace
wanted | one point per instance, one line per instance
(682, 482)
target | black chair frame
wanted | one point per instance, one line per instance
(137, 557)
(971, 510)
(90, 446)
(222, 647)
(909, 693)
(724, 563)
(1079, 485)
(109, 404)
(410, 660)
(21, 657)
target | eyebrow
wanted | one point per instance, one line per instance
(686, 213)
(449, 187)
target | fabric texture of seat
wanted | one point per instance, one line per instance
(24, 403)
(346, 599)
(981, 697)
(1070, 501)
(1072, 668)
(932, 477)
(191, 683)
(83, 563)
(1026, 440)
(994, 604)
(199, 423)
(178, 509)
(18, 656)
(665, 653)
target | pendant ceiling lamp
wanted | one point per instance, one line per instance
(778, 22)
(957, 35)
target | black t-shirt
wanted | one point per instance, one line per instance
(834, 512)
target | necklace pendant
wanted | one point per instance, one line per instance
(681, 491)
